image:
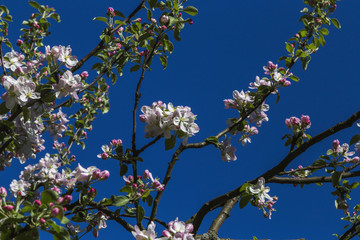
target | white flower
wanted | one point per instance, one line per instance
(260, 190)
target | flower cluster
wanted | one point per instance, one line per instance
(298, 128)
(162, 119)
(68, 84)
(343, 151)
(61, 54)
(244, 101)
(298, 125)
(300, 172)
(262, 198)
(142, 184)
(47, 173)
(108, 149)
(176, 231)
(18, 91)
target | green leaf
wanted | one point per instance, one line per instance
(126, 189)
(60, 234)
(152, 4)
(144, 36)
(49, 196)
(170, 142)
(289, 47)
(119, 14)
(3, 108)
(56, 17)
(34, 4)
(26, 113)
(191, 10)
(244, 187)
(103, 19)
(163, 60)
(319, 162)
(119, 201)
(123, 169)
(146, 193)
(336, 178)
(324, 31)
(149, 200)
(277, 98)
(295, 78)
(4, 9)
(31, 234)
(134, 68)
(140, 214)
(354, 185)
(322, 40)
(329, 152)
(336, 23)
(244, 201)
(355, 139)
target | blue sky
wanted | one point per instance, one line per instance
(223, 50)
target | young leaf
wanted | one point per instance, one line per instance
(336, 23)
(140, 214)
(170, 143)
(103, 19)
(191, 10)
(355, 139)
(48, 196)
(244, 201)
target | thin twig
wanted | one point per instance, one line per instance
(148, 145)
(165, 181)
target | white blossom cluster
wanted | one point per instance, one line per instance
(162, 119)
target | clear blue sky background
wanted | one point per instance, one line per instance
(223, 50)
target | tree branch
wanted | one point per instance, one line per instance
(219, 201)
(287, 180)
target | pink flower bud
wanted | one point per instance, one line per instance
(318, 20)
(19, 42)
(164, 19)
(134, 185)
(297, 35)
(54, 212)
(110, 12)
(166, 233)
(153, 20)
(305, 119)
(104, 175)
(67, 199)
(42, 221)
(60, 200)
(138, 20)
(37, 202)
(288, 122)
(189, 227)
(3, 192)
(8, 208)
(104, 156)
(84, 74)
(336, 144)
(146, 174)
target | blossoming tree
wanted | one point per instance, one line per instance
(51, 98)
